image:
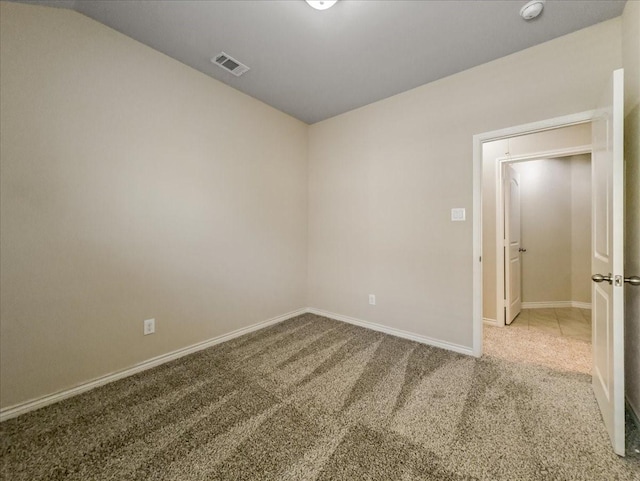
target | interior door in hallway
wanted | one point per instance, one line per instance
(607, 259)
(512, 244)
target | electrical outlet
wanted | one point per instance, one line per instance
(372, 299)
(149, 326)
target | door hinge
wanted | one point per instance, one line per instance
(480, 260)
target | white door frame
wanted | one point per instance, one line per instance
(478, 140)
(500, 210)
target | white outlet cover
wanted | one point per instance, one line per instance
(458, 214)
(372, 299)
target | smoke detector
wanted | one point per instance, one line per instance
(532, 9)
(230, 64)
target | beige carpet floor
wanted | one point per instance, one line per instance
(316, 399)
(536, 347)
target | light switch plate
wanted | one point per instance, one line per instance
(149, 326)
(458, 214)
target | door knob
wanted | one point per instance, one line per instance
(600, 278)
(522, 250)
(633, 280)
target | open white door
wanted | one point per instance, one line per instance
(607, 259)
(512, 244)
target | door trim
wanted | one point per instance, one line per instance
(478, 140)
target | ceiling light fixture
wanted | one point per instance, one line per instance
(321, 4)
(532, 9)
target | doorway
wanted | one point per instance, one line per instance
(537, 186)
(551, 214)
(487, 206)
(558, 143)
(542, 202)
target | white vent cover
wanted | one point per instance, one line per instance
(230, 64)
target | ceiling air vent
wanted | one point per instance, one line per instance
(230, 64)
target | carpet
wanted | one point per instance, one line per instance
(316, 399)
(537, 347)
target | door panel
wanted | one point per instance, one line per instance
(513, 282)
(602, 340)
(601, 180)
(607, 260)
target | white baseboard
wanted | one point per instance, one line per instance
(491, 322)
(581, 305)
(33, 404)
(394, 332)
(555, 304)
(24, 407)
(635, 412)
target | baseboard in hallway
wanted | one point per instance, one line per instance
(490, 322)
(556, 305)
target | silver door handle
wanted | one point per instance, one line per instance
(633, 280)
(600, 278)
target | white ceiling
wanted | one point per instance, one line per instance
(317, 64)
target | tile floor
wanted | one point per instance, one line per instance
(569, 322)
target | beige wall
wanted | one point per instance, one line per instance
(631, 60)
(133, 187)
(556, 229)
(531, 144)
(383, 178)
(546, 229)
(581, 228)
